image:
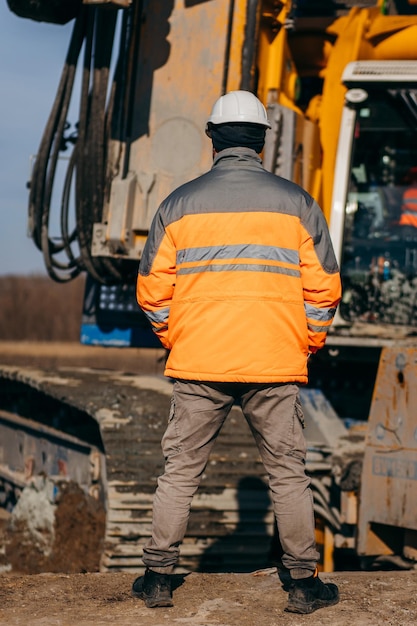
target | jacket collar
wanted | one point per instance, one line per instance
(237, 154)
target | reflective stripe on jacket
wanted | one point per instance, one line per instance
(238, 276)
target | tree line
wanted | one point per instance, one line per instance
(35, 308)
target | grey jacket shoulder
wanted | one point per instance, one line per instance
(238, 182)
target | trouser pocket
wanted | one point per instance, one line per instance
(299, 412)
(299, 442)
(171, 441)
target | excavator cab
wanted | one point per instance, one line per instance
(376, 244)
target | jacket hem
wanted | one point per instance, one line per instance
(234, 378)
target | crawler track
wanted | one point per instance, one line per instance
(120, 419)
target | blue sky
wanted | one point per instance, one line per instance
(32, 56)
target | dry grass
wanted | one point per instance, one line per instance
(35, 308)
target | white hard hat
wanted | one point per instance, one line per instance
(239, 106)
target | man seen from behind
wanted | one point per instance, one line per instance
(240, 283)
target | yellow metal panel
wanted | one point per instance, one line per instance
(389, 479)
(181, 71)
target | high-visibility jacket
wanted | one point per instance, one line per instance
(238, 276)
(409, 207)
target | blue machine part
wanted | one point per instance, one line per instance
(112, 317)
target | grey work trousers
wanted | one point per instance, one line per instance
(274, 414)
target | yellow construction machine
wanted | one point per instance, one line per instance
(339, 81)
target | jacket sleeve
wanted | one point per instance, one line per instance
(320, 276)
(156, 279)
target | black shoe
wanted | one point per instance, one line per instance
(285, 577)
(154, 589)
(309, 594)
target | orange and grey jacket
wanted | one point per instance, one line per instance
(238, 276)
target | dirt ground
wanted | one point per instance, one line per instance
(63, 599)
(367, 599)
(17, 548)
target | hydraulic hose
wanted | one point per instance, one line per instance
(46, 161)
(247, 80)
(68, 254)
(92, 140)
